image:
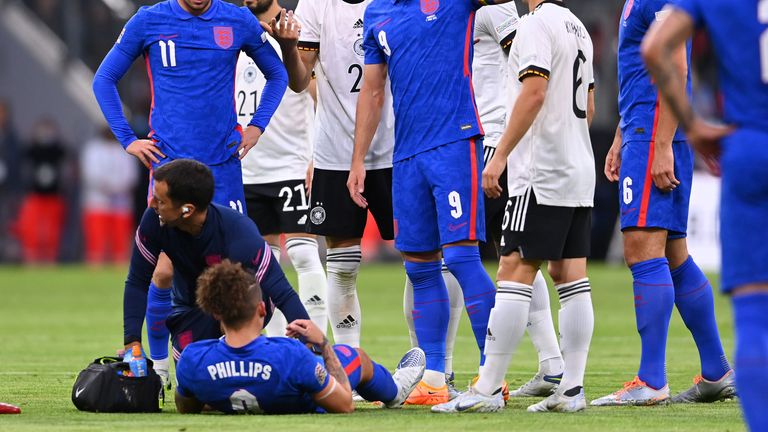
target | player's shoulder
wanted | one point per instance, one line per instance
(161, 10)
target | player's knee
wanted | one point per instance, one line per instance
(644, 244)
(162, 277)
(303, 254)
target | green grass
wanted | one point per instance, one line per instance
(53, 321)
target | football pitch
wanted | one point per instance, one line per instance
(54, 321)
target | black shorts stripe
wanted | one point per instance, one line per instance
(488, 153)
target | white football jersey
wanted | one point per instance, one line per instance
(335, 29)
(285, 149)
(551, 42)
(495, 28)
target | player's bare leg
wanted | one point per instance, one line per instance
(158, 309)
(342, 265)
(694, 300)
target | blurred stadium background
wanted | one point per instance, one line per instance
(62, 175)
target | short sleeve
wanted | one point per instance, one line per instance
(308, 16)
(501, 23)
(133, 35)
(692, 8)
(535, 48)
(309, 373)
(374, 53)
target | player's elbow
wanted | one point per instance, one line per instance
(347, 407)
(651, 51)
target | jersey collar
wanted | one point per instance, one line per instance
(560, 3)
(184, 15)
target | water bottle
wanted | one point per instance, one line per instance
(136, 360)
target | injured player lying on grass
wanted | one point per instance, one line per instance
(245, 372)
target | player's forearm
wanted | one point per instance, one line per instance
(524, 112)
(112, 69)
(298, 75)
(590, 107)
(658, 46)
(367, 119)
(667, 124)
(333, 365)
(135, 295)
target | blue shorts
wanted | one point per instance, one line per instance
(350, 361)
(641, 203)
(228, 183)
(437, 197)
(744, 209)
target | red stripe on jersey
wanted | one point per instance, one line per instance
(352, 366)
(468, 42)
(473, 204)
(152, 91)
(641, 219)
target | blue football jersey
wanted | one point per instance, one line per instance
(428, 48)
(741, 57)
(191, 64)
(638, 96)
(269, 375)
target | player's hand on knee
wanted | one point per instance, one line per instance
(491, 175)
(306, 331)
(146, 151)
(285, 29)
(356, 185)
(613, 162)
(251, 136)
(663, 168)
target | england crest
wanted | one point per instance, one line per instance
(223, 36)
(429, 7)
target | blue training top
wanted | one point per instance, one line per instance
(225, 234)
(271, 375)
(191, 66)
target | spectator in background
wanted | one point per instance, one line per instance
(108, 176)
(9, 176)
(41, 216)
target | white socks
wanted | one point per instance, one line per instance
(506, 327)
(576, 324)
(342, 266)
(541, 329)
(312, 282)
(276, 326)
(456, 301)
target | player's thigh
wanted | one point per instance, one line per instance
(641, 203)
(262, 205)
(743, 209)
(332, 212)
(190, 326)
(413, 209)
(579, 238)
(228, 184)
(535, 231)
(378, 193)
(282, 206)
(454, 172)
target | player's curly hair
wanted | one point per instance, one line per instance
(229, 293)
